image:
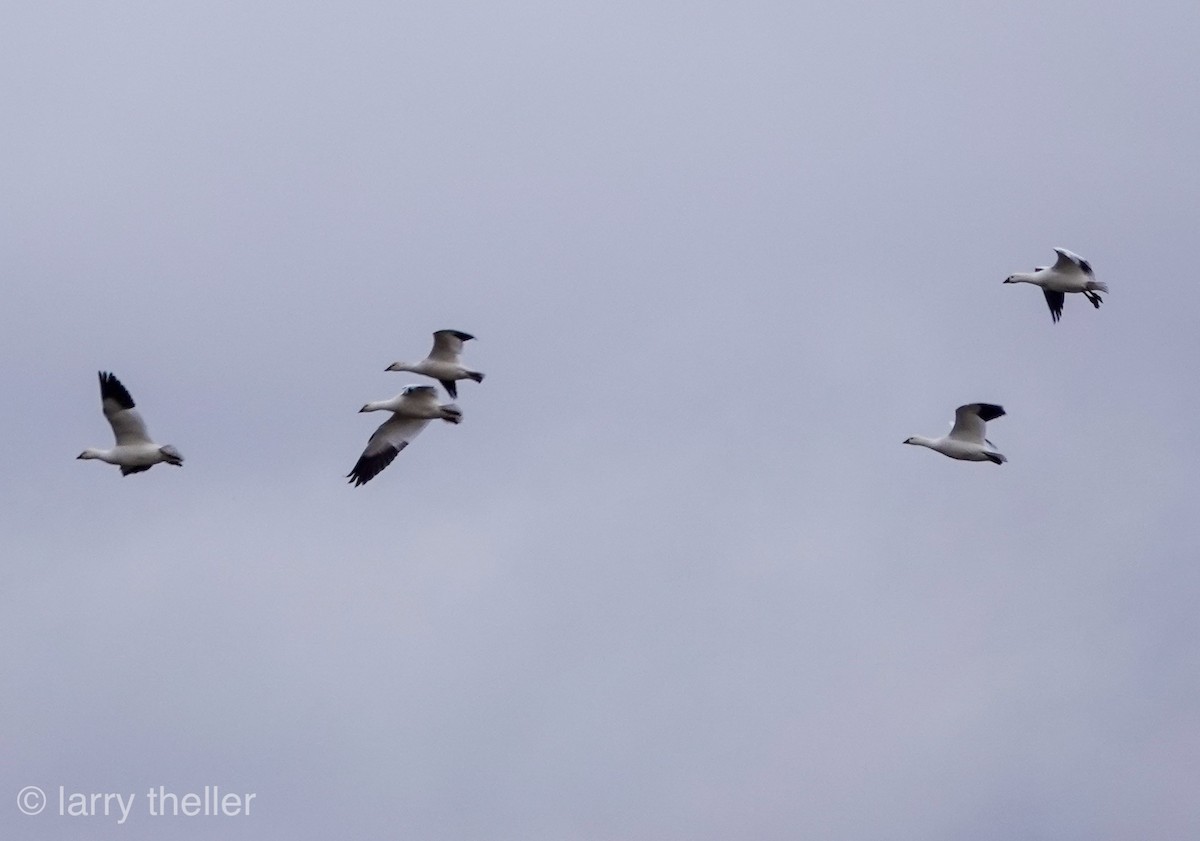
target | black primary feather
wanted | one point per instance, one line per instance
(111, 389)
(990, 411)
(370, 466)
(1055, 301)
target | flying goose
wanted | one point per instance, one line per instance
(443, 361)
(134, 451)
(966, 439)
(1070, 273)
(411, 409)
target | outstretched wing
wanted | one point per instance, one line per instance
(448, 344)
(420, 392)
(126, 422)
(970, 421)
(1069, 261)
(392, 436)
(1055, 301)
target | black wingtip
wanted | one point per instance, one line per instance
(359, 475)
(451, 388)
(368, 467)
(111, 389)
(1054, 300)
(990, 411)
(459, 334)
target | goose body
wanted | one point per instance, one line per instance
(443, 362)
(134, 451)
(1069, 274)
(966, 440)
(412, 410)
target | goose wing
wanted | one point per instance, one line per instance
(392, 436)
(420, 392)
(970, 421)
(1068, 261)
(448, 344)
(1054, 300)
(125, 420)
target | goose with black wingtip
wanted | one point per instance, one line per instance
(1070, 273)
(966, 440)
(134, 451)
(412, 410)
(444, 362)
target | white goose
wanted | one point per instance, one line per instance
(1070, 273)
(966, 439)
(443, 361)
(411, 409)
(134, 451)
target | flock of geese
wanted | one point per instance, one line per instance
(967, 439)
(414, 407)
(412, 410)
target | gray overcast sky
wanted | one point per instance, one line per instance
(674, 577)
